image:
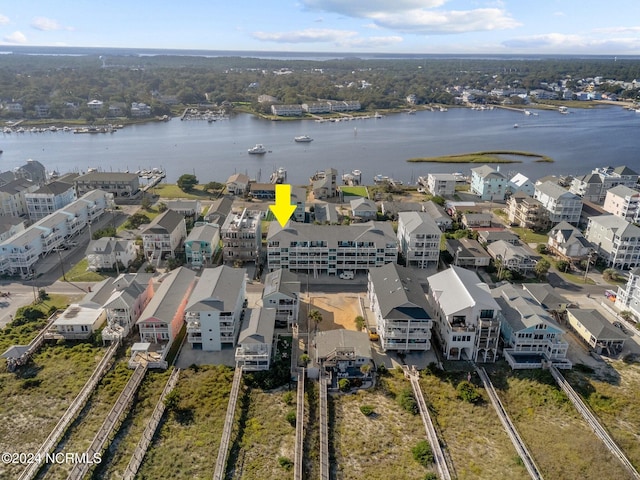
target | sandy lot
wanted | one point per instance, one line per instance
(338, 310)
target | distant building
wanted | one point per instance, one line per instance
(33, 171)
(594, 186)
(238, 184)
(521, 183)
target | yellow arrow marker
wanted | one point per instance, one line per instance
(283, 208)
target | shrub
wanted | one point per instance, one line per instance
(407, 401)
(291, 418)
(432, 476)
(382, 370)
(344, 384)
(285, 463)
(287, 397)
(422, 453)
(172, 400)
(367, 410)
(467, 391)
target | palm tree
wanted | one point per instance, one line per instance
(316, 317)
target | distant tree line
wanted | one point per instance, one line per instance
(62, 81)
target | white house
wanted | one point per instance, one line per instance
(488, 183)
(363, 209)
(79, 322)
(109, 253)
(238, 184)
(399, 306)
(419, 238)
(282, 293)
(521, 183)
(214, 311)
(623, 202)
(441, 184)
(467, 317)
(514, 257)
(628, 297)
(49, 198)
(255, 342)
(569, 242)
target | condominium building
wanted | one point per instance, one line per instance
(419, 238)
(330, 249)
(467, 319)
(628, 297)
(399, 305)
(120, 184)
(594, 186)
(48, 199)
(441, 184)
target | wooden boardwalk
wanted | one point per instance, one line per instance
(324, 429)
(518, 443)
(111, 422)
(67, 418)
(150, 429)
(299, 445)
(223, 450)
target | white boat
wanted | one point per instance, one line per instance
(562, 109)
(258, 149)
(303, 139)
(515, 125)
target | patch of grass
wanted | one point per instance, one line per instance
(496, 156)
(355, 191)
(376, 447)
(55, 376)
(205, 394)
(475, 439)
(171, 191)
(79, 273)
(529, 236)
(545, 419)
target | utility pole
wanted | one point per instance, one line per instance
(61, 265)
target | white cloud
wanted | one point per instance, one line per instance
(441, 22)
(3, 19)
(617, 30)
(310, 35)
(47, 24)
(15, 37)
(372, 42)
(420, 16)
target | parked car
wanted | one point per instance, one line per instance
(347, 275)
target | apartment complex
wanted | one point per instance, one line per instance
(562, 205)
(330, 249)
(623, 202)
(595, 185)
(617, 241)
(527, 212)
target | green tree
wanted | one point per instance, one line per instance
(542, 268)
(468, 392)
(214, 186)
(187, 182)
(626, 315)
(344, 384)
(360, 322)
(316, 317)
(563, 265)
(136, 220)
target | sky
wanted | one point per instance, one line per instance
(350, 26)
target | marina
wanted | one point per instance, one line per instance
(576, 142)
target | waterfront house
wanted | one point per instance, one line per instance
(467, 319)
(79, 322)
(109, 253)
(162, 237)
(330, 249)
(467, 252)
(324, 184)
(262, 191)
(120, 184)
(596, 331)
(215, 308)
(33, 171)
(419, 239)
(488, 183)
(326, 213)
(623, 202)
(399, 306)
(241, 236)
(163, 317)
(238, 184)
(531, 336)
(441, 184)
(561, 204)
(255, 341)
(617, 241)
(568, 242)
(201, 244)
(520, 183)
(282, 293)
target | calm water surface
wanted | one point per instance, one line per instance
(578, 142)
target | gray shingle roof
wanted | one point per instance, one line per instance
(399, 293)
(217, 289)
